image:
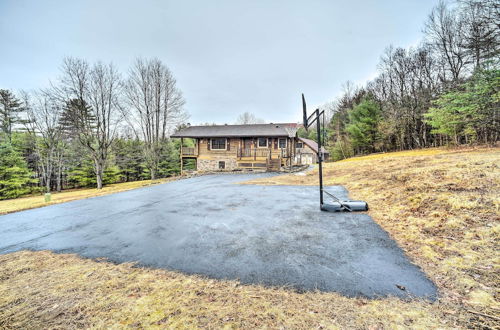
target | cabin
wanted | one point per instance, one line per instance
(252, 147)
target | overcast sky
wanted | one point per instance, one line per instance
(228, 56)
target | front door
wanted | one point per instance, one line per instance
(247, 148)
(248, 143)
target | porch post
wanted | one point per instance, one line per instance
(182, 142)
(320, 158)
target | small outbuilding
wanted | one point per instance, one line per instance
(306, 151)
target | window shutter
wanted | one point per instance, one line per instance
(228, 144)
(276, 142)
(208, 144)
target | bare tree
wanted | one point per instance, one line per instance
(156, 107)
(95, 111)
(248, 118)
(407, 83)
(43, 114)
(481, 21)
(444, 31)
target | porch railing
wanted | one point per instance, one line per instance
(188, 151)
(261, 153)
(254, 152)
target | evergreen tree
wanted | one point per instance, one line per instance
(470, 112)
(169, 161)
(10, 107)
(129, 157)
(81, 174)
(84, 175)
(364, 120)
(312, 135)
(486, 91)
(112, 174)
(15, 178)
(447, 116)
(76, 115)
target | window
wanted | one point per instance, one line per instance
(218, 144)
(299, 145)
(282, 143)
(222, 165)
(262, 142)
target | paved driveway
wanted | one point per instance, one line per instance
(274, 235)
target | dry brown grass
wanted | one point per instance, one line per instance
(441, 206)
(43, 289)
(31, 202)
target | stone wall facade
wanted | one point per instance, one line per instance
(210, 165)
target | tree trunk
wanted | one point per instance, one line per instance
(48, 176)
(58, 179)
(99, 180)
(99, 169)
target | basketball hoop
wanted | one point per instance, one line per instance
(291, 131)
(337, 205)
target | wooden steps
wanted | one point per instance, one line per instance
(271, 165)
(252, 159)
(274, 165)
(252, 165)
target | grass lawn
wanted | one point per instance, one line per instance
(30, 202)
(441, 206)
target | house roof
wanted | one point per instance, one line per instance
(313, 145)
(249, 130)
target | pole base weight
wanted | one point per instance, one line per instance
(345, 206)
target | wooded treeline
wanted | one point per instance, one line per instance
(92, 127)
(95, 125)
(446, 90)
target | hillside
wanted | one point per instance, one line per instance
(441, 206)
